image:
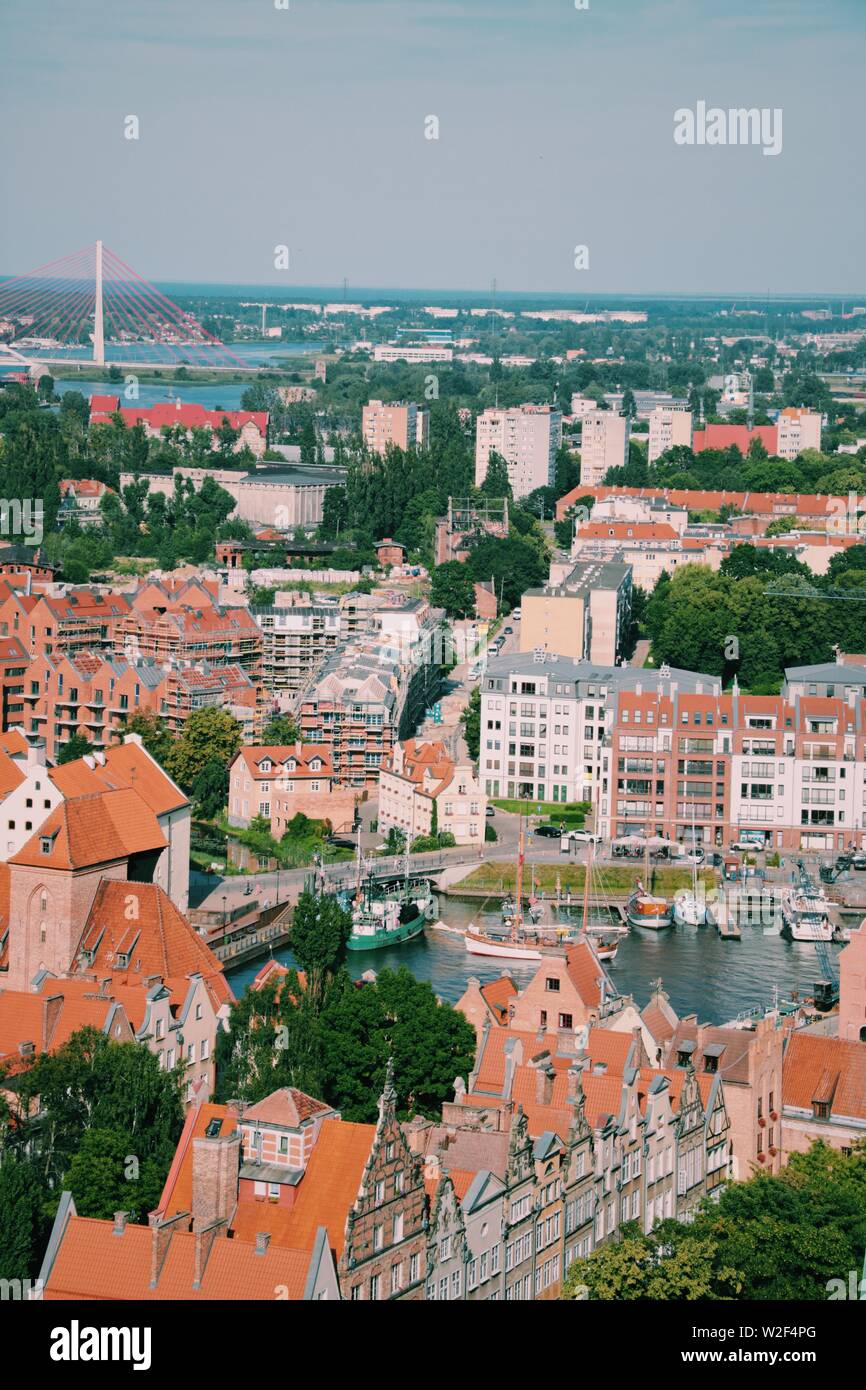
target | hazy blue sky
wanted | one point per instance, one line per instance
(306, 127)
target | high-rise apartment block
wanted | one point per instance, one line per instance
(668, 426)
(603, 445)
(527, 437)
(797, 430)
(403, 425)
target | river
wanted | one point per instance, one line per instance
(702, 974)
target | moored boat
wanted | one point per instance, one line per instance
(646, 910)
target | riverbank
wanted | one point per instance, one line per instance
(499, 877)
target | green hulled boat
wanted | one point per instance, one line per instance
(389, 916)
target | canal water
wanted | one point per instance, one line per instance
(702, 974)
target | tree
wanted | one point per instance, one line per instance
(104, 1177)
(395, 840)
(207, 734)
(471, 721)
(91, 1082)
(453, 588)
(152, 732)
(648, 1267)
(210, 789)
(281, 730)
(23, 1223)
(496, 482)
(320, 930)
(75, 747)
(629, 404)
(515, 564)
(399, 1016)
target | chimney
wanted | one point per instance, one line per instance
(52, 1007)
(544, 1079)
(263, 1240)
(215, 1170)
(35, 752)
(574, 1084)
(120, 1220)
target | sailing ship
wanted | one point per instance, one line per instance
(512, 944)
(527, 935)
(644, 909)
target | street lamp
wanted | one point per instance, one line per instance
(225, 917)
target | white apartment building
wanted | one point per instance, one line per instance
(527, 437)
(544, 719)
(797, 430)
(603, 445)
(668, 426)
(403, 425)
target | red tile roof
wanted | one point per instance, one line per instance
(830, 1070)
(94, 1263)
(157, 939)
(101, 828)
(330, 1185)
(123, 765)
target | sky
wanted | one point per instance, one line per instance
(305, 127)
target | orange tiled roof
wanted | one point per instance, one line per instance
(177, 1191)
(287, 1106)
(158, 939)
(94, 1263)
(831, 1070)
(126, 765)
(330, 1185)
(498, 993)
(96, 829)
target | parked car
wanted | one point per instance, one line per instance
(747, 847)
(506, 630)
(584, 837)
(491, 811)
(475, 671)
(549, 832)
(515, 616)
(858, 861)
(694, 856)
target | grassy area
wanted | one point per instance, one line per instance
(496, 876)
(569, 811)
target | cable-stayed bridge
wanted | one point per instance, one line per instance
(93, 307)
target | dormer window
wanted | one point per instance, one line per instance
(265, 765)
(45, 843)
(315, 764)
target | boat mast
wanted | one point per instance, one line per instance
(586, 889)
(517, 919)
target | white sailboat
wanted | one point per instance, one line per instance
(690, 905)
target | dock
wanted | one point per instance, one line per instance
(729, 928)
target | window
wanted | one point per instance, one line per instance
(379, 1193)
(378, 1237)
(414, 1267)
(551, 984)
(374, 1287)
(565, 1020)
(395, 1278)
(397, 1228)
